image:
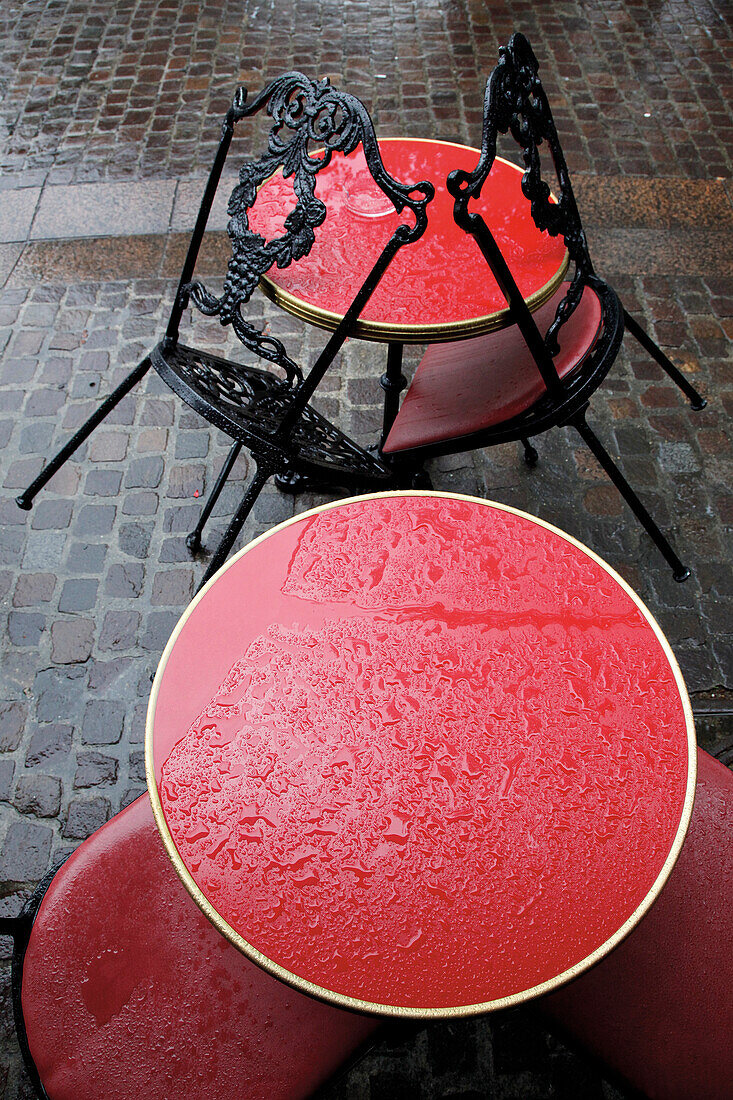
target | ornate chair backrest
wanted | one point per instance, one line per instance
(311, 122)
(515, 102)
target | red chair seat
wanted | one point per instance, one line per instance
(470, 385)
(659, 1008)
(128, 990)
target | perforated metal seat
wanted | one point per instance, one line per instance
(250, 404)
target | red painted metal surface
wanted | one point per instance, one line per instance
(420, 751)
(659, 1008)
(440, 280)
(129, 991)
(471, 385)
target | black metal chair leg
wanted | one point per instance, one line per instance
(697, 401)
(680, 571)
(25, 500)
(262, 473)
(193, 541)
(393, 382)
(530, 454)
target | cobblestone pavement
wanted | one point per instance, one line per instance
(114, 112)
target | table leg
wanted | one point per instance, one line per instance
(393, 382)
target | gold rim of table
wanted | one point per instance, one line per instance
(354, 1003)
(384, 332)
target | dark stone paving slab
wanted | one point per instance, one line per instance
(16, 213)
(616, 251)
(103, 209)
(625, 201)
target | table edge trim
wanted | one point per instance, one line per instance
(343, 1001)
(384, 331)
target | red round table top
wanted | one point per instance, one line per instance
(438, 289)
(420, 754)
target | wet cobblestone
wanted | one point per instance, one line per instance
(94, 578)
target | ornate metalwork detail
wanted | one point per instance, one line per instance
(250, 405)
(515, 102)
(311, 121)
(266, 347)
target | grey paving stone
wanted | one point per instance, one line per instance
(25, 627)
(125, 580)
(78, 595)
(12, 722)
(172, 588)
(101, 209)
(56, 693)
(43, 551)
(85, 557)
(72, 640)
(144, 473)
(160, 626)
(50, 515)
(140, 504)
(16, 213)
(93, 770)
(7, 772)
(38, 795)
(85, 816)
(48, 741)
(119, 630)
(103, 483)
(34, 439)
(95, 520)
(192, 445)
(134, 540)
(103, 722)
(25, 853)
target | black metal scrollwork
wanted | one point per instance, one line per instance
(312, 120)
(254, 402)
(515, 102)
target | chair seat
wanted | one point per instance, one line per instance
(249, 404)
(471, 385)
(129, 991)
(659, 1008)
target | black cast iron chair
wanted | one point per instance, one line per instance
(517, 383)
(269, 413)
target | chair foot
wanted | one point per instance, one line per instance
(421, 479)
(292, 483)
(261, 475)
(193, 542)
(531, 458)
(25, 499)
(697, 401)
(679, 571)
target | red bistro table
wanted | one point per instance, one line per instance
(437, 290)
(420, 754)
(440, 288)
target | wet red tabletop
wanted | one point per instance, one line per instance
(440, 288)
(420, 754)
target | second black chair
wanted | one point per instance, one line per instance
(266, 412)
(541, 372)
